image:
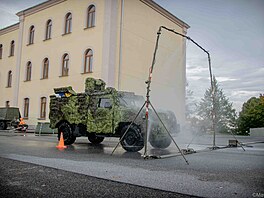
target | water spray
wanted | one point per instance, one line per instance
(211, 79)
(147, 103)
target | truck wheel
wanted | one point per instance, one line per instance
(3, 125)
(67, 133)
(93, 138)
(14, 123)
(133, 140)
(159, 139)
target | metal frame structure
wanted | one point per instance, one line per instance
(147, 103)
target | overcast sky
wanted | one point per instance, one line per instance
(231, 30)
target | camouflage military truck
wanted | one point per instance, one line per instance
(9, 116)
(101, 112)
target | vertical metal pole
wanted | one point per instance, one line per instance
(146, 134)
(213, 101)
(148, 90)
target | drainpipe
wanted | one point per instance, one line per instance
(120, 45)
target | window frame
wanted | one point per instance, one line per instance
(68, 23)
(1, 51)
(28, 71)
(65, 62)
(26, 108)
(45, 69)
(9, 79)
(31, 35)
(12, 48)
(103, 101)
(48, 29)
(91, 10)
(43, 105)
(88, 61)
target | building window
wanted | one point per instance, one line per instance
(68, 23)
(88, 61)
(28, 71)
(7, 104)
(26, 107)
(1, 51)
(12, 48)
(45, 69)
(43, 102)
(65, 65)
(91, 16)
(48, 29)
(31, 35)
(9, 79)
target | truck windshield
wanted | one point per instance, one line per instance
(129, 100)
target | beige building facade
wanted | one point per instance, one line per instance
(62, 42)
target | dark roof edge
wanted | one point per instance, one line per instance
(39, 7)
(165, 13)
(9, 28)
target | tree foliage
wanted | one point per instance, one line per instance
(223, 111)
(190, 103)
(252, 115)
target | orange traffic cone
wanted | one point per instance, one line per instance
(61, 142)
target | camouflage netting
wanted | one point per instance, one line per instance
(56, 114)
(92, 85)
(100, 121)
(82, 108)
(70, 110)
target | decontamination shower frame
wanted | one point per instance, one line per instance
(147, 103)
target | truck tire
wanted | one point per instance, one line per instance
(133, 140)
(14, 123)
(3, 125)
(93, 138)
(160, 140)
(67, 133)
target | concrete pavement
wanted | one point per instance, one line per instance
(220, 173)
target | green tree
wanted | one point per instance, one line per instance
(223, 111)
(252, 115)
(190, 105)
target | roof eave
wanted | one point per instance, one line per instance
(39, 7)
(165, 13)
(9, 29)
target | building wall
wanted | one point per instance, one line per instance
(75, 44)
(8, 63)
(140, 25)
(122, 41)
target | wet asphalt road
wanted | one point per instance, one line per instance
(220, 173)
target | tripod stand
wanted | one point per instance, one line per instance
(148, 104)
